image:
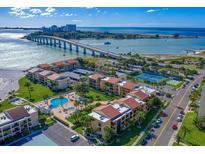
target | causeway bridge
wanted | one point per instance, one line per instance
(70, 44)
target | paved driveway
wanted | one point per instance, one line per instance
(60, 134)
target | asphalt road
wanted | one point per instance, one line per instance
(179, 102)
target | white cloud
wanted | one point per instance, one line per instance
(152, 10)
(156, 10)
(49, 12)
(26, 12)
(35, 11)
(21, 12)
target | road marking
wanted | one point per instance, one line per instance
(173, 113)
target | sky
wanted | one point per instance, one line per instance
(102, 17)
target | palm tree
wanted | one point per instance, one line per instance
(140, 116)
(28, 85)
(12, 94)
(178, 139)
(185, 131)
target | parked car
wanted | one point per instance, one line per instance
(143, 142)
(159, 121)
(74, 138)
(148, 137)
(182, 112)
(156, 125)
(163, 114)
(179, 119)
(174, 126)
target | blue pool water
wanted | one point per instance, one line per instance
(71, 108)
(57, 102)
(154, 78)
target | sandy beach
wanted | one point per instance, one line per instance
(9, 81)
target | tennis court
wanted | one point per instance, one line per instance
(151, 77)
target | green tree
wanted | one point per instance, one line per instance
(178, 139)
(82, 88)
(140, 116)
(108, 133)
(28, 85)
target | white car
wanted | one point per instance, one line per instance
(179, 119)
(74, 138)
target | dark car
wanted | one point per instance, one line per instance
(143, 142)
(148, 137)
(156, 125)
(182, 112)
(163, 114)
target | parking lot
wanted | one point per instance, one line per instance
(61, 135)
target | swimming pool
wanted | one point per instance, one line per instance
(71, 109)
(151, 77)
(57, 102)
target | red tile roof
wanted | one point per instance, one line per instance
(131, 102)
(108, 111)
(44, 66)
(139, 94)
(129, 85)
(35, 69)
(72, 61)
(17, 113)
(113, 80)
(59, 63)
(95, 76)
(53, 76)
(45, 73)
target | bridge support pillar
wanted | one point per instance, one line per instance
(93, 53)
(77, 48)
(59, 43)
(64, 45)
(40, 40)
(51, 42)
(102, 55)
(84, 50)
(54, 42)
(43, 40)
(70, 47)
(47, 41)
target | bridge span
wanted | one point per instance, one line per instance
(64, 43)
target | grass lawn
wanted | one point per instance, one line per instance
(36, 94)
(195, 136)
(131, 134)
(5, 105)
(175, 144)
(97, 95)
(191, 67)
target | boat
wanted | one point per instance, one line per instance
(117, 47)
(107, 43)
